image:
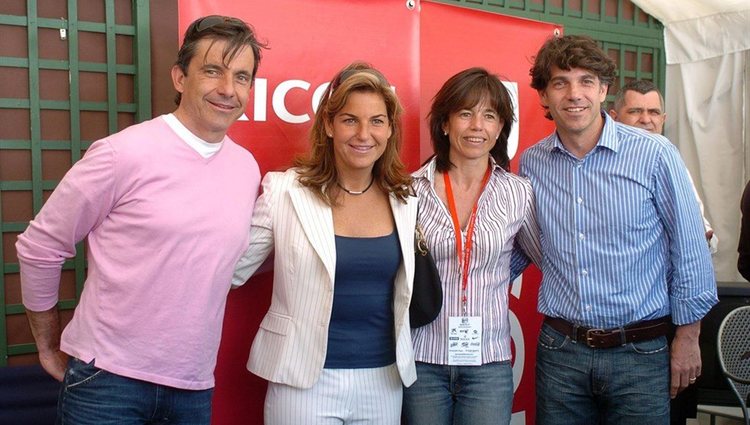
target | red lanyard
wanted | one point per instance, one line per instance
(464, 255)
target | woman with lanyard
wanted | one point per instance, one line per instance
(475, 215)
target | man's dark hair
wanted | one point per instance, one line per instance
(568, 52)
(235, 32)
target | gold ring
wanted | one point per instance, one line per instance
(692, 380)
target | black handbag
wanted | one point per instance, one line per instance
(427, 292)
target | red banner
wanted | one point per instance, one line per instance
(417, 48)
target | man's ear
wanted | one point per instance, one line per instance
(603, 93)
(542, 97)
(613, 114)
(178, 78)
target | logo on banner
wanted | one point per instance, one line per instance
(278, 100)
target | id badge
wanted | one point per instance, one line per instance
(465, 340)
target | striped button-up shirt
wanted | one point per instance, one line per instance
(505, 217)
(611, 224)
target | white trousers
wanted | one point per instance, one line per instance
(341, 396)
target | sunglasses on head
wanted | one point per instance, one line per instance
(212, 21)
(349, 72)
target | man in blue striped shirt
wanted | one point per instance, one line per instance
(616, 212)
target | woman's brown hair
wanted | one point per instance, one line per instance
(317, 170)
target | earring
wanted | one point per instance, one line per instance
(445, 133)
(330, 135)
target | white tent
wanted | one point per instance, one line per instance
(707, 44)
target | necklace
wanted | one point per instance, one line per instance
(354, 192)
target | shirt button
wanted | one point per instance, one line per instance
(588, 307)
(580, 236)
(579, 200)
(585, 272)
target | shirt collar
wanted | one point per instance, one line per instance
(608, 139)
(427, 171)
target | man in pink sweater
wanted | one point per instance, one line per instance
(166, 206)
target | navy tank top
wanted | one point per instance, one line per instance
(360, 334)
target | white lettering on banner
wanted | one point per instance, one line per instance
(279, 106)
(285, 88)
(317, 95)
(513, 137)
(518, 418)
(261, 97)
(516, 334)
(278, 102)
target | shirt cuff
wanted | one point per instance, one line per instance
(40, 287)
(686, 311)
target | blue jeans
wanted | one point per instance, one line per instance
(92, 396)
(460, 395)
(623, 385)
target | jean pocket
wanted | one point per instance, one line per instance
(551, 339)
(79, 373)
(651, 346)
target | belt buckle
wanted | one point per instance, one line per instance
(590, 334)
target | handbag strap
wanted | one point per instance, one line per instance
(420, 243)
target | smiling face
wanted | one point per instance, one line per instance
(214, 94)
(360, 132)
(574, 99)
(641, 110)
(473, 132)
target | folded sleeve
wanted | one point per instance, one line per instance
(80, 202)
(692, 289)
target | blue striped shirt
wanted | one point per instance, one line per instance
(611, 224)
(504, 225)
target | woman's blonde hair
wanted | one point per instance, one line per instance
(318, 169)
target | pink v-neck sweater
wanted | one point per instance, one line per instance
(165, 228)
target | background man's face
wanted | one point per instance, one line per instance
(641, 110)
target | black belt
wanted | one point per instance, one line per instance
(607, 338)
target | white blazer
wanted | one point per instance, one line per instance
(290, 346)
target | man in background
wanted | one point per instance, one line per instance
(165, 206)
(639, 103)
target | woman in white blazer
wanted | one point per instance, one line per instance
(335, 343)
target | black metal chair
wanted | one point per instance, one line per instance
(733, 346)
